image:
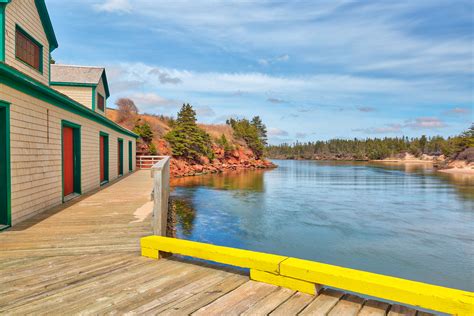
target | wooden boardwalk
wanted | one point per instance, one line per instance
(84, 258)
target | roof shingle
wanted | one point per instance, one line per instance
(76, 74)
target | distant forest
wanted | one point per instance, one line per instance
(373, 148)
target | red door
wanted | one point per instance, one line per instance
(68, 160)
(102, 158)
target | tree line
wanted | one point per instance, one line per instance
(373, 148)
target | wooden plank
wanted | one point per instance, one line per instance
(278, 280)
(45, 299)
(138, 289)
(374, 308)
(349, 305)
(232, 256)
(293, 305)
(399, 310)
(205, 297)
(323, 303)
(270, 303)
(105, 292)
(395, 289)
(239, 300)
(189, 288)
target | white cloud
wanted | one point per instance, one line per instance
(425, 123)
(276, 132)
(205, 111)
(336, 88)
(459, 111)
(365, 109)
(275, 100)
(120, 6)
(428, 123)
(269, 61)
(154, 103)
(386, 129)
(380, 34)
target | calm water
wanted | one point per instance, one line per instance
(405, 221)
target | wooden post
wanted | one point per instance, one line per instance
(160, 173)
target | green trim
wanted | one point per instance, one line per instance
(47, 25)
(49, 69)
(130, 156)
(106, 157)
(94, 89)
(120, 157)
(72, 84)
(2, 31)
(106, 84)
(7, 220)
(31, 38)
(17, 80)
(77, 156)
(82, 84)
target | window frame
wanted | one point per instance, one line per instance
(98, 98)
(21, 30)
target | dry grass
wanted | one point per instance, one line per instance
(160, 127)
(217, 130)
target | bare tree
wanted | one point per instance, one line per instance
(126, 108)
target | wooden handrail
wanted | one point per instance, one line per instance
(147, 162)
(160, 172)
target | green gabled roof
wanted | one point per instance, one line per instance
(47, 25)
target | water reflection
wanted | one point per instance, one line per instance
(243, 180)
(395, 219)
(185, 216)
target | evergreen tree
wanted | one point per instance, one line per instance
(225, 145)
(144, 131)
(187, 140)
(247, 131)
(374, 148)
(262, 129)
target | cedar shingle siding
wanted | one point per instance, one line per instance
(35, 125)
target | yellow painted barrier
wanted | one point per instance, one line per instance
(424, 295)
(236, 257)
(303, 275)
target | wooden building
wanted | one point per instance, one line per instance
(55, 141)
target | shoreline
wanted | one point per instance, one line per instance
(404, 161)
(454, 170)
(465, 170)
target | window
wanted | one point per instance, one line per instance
(100, 102)
(28, 50)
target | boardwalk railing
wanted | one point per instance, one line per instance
(308, 276)
(147, 162)
(160, 173)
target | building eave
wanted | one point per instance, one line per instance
(20, 81)
(47, 25)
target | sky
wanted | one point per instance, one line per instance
(312, 70)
